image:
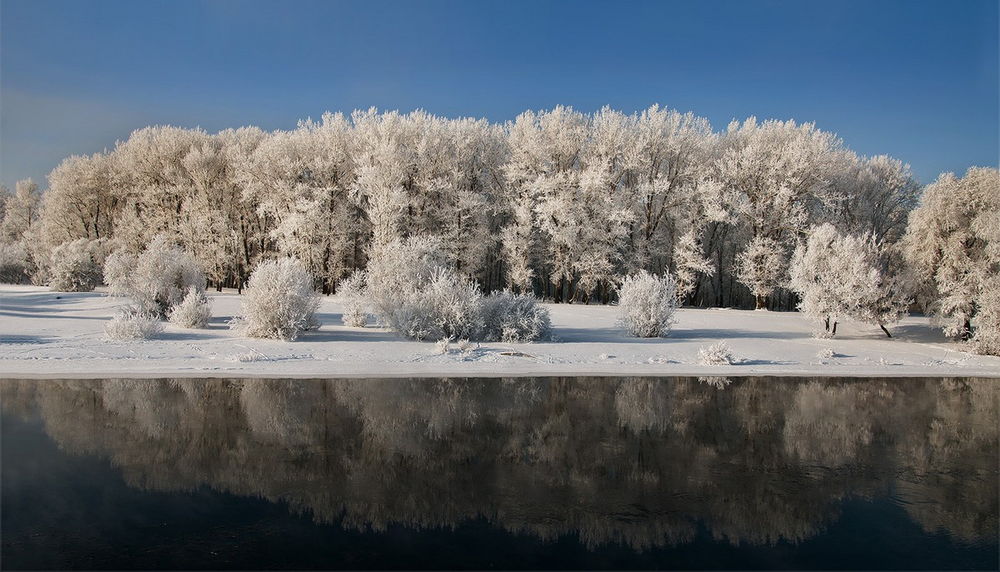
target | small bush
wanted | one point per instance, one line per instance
(647, 304)
(279, 301)
(510, 318)
(442, 346)
(132, 324)
(826, 353)
(447, 307)
(352, 292)
(194, 311)
(76, 266)
(716, 354)
(157, 279)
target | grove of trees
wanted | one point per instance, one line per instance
(557, 203)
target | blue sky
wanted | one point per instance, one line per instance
(914, 79)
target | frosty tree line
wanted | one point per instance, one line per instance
(557, 203)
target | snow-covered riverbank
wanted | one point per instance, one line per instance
(58, 334)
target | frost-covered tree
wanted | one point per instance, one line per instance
(20, 211)
(557, 202)
(952, 245)
(300, 181)
(668, 156)
(690, 263)
(762, 268)
(279, 301)
(872, 196)
(647, 304)
(842, 276)
(771, 172)
(817, 276)
(80, 201)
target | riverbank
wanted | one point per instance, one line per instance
(59, 334)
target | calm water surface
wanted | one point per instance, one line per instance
(500, 473)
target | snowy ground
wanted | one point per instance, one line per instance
(60, 334)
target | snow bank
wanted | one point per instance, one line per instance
(58, 334)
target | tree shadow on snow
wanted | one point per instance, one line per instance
(722, 334)
(22, 339)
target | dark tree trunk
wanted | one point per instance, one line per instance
(761, 302)
(887, 334)
(966, 330)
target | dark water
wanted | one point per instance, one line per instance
(491, 473)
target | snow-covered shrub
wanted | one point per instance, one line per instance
(447, 307)
(826, 353)
(132, 324)
(442, 346)
(413, 291)
(716, 354)
(157, 279)
(510, 318)
(465, 346)
(279, 301)
(76, 266)
(647, 304)
(194, 311)
(119, 270)
(400, 268)
(352, 292)
(163, 275)
(15, 266)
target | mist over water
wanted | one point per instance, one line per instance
(532, 472)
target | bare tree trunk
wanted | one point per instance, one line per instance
(761, 302)
(887, 334)
(834, 333)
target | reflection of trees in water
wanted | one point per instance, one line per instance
(632, 460)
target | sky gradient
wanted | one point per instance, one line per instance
(917, 80)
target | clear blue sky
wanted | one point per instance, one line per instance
(914, 79)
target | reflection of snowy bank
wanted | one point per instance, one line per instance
(633, 460)
(46, 333)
